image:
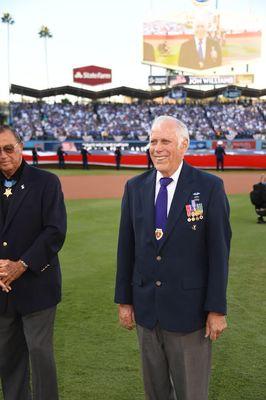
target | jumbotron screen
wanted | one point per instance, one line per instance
(201, 41)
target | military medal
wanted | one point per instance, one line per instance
(8, 192)
(158, 233)
(8, 185)
(195, 209)
(189, 214)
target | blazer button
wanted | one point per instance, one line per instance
(4, 244)
(158, 258)
(158, 283)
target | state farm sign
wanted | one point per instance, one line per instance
(92, 75)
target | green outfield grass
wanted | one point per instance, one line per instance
(127, 171)
(98, 360)
(95, 171)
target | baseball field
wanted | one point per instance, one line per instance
(98, 360)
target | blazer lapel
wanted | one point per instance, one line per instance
(183, 189)
(148, 193)
(1, 217)
(19, 194)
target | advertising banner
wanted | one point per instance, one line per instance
(197, 145)
(191, 80)
(233, 93)
(160, 80)
(178, 94)
(92, 75)
(244, 79)
(236, 144)
(244, 144)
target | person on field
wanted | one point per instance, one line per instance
(61, 157)
(258, 199)
(172, 266)
(32, 231)
(118, 155)
(219, 154)
(84, 155)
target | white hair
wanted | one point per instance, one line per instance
(181, 128)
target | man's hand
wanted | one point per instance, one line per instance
(215, 325)
(2, 285)
(126, 316)
(9, 272)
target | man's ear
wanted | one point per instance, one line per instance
(184, 144)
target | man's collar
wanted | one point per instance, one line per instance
(203, 41)
(174, 176)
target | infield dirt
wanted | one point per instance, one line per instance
(112, 186)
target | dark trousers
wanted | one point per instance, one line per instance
(118, 160)
(61, 163)
(219, 163)
(85, 164)
(24, 341)
(175, 366)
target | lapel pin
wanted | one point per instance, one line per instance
(22, 186)
(194, 227)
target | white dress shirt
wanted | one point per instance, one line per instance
(203, 45)
(170, 188)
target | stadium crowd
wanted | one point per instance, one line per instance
(112, 121)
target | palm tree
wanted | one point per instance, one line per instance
(45, 34)
(8, 20)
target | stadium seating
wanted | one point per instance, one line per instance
(113, 121)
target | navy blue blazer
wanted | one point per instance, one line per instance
(177, 282)
(34, 231)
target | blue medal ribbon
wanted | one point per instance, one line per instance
(9, 184)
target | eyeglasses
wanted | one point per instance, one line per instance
(8, 148)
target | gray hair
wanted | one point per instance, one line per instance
(7, 128)
(181, 128)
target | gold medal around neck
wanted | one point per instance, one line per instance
(158, 233)
(8, 192)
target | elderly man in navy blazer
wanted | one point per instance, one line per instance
(173, 252)
(32, 231)
(201, 51)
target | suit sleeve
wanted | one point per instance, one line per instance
(125, 254)
(218, 245)
(51, 238)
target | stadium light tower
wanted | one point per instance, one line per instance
(8, 20)
(45, 34)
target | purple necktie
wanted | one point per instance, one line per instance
(161, 208)
(200, 50)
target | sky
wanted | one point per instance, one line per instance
(107, 33)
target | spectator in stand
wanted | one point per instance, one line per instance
(131, 121)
